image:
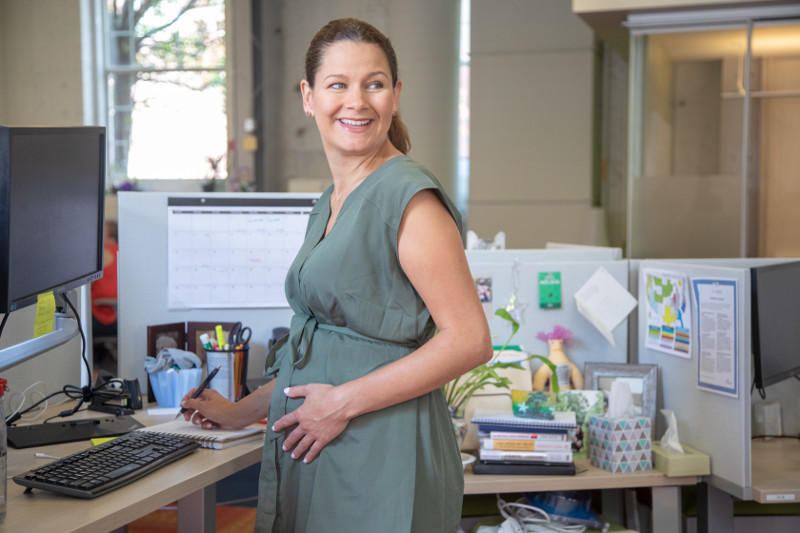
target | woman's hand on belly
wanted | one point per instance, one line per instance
(317, 422)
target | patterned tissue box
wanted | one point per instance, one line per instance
(621, 445)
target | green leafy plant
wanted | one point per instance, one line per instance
(459, 391)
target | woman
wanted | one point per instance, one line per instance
(360, 437)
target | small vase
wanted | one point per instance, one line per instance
(460, 427)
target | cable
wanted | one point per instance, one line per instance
(14, 396)
(104, 391)
(3, 323)
(524, 518)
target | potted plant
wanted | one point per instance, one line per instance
(459, 391)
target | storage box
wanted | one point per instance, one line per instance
(620, 445)
(691, 463)
(170, 386)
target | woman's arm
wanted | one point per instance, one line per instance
(432, 256)
(211, 409)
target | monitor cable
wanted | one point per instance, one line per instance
(111, 389)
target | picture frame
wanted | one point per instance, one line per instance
(164, 336)
(643, 380)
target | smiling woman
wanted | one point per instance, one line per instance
(360, 437)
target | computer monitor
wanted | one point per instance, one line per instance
(52, 183)
(775, 306)
(52, 191)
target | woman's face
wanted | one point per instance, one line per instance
(353, 99)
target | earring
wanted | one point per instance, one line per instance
(394, 113)
(308, 113)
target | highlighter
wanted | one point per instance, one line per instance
(220, 336)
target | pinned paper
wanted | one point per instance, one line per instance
(604, 302)
(45, 314)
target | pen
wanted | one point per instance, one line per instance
(201, 388)
(45, 456)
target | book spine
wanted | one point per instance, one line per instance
(488, 428)
(532, 445)
(557, 437)
(525, 456)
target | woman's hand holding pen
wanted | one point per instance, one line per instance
(318, 421)
(212, 410)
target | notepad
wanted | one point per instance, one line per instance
(208, 438)
(562, 420)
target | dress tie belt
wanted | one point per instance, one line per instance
(301, 334)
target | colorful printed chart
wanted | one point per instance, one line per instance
(668, 312)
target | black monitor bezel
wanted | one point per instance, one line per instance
(7, 134)
(760, 381)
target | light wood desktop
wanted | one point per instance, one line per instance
(665, 490)
(776, 470)
(190, 481)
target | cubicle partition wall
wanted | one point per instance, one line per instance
(713, 422)
(515, 274)
(143, 281)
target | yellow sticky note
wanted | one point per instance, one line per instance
(100, 440)
(45, 313)
(250, 143)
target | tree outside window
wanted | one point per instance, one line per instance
(165, 76)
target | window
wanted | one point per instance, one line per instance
(165, 88)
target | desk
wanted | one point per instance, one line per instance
(189, 481)
(775, 466)
(775, 478)
(665, 490)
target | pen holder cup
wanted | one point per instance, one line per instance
(170, 386)
(232, 375)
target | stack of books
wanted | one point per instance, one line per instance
(515, 445)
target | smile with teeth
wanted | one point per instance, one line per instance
(351, 122)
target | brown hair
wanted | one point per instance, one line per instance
(350, 29)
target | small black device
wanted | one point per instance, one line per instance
(70, 431)
(95, 471)
(118, 397)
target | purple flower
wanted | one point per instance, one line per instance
(558, 333)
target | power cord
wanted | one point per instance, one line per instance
(19, 398)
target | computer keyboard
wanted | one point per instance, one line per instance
(108, 466)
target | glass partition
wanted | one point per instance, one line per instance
(776, 113)
(715, 118)
(686, 190)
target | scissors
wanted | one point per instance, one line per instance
(239, 335)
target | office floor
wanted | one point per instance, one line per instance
(229, 519)
(236, 507)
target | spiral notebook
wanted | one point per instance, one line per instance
(209, 438)
(564, 420)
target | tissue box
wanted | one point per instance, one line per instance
(170, 386)
(690, 463)
(620, 445)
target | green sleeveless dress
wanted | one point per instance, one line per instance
(393, 470)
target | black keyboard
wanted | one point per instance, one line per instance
(108, 466)
(70, 431)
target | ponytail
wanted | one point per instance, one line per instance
(398, 134)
